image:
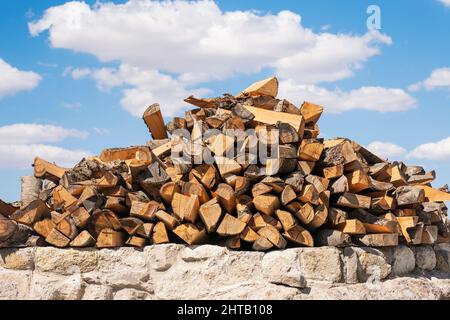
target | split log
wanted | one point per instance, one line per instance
(273, 117)
(398, 178)
(261, 220)
(305, 213)
(30, 189)
(305, 167)
(350, 200)
(320, 217)
(233, 243)
(407, 223)
(434, 195)
(185, 208)
(44, 227)
(242, 185)
(331, 238)
(57, 239)
(277, 184)
(336, 216)
(140, 153)
(145, 210)
(225, 195)
(286, 219)
(227, 166)
(169, 221)
(210, 214)
(248, 235)
(79, 215)
(429, 235)
(321, 184)
(130, 225)
(35, 211)
(83, 240)
(7, 229)
(189, 189)
(310, 150)
(288, 195)
(341, 185)
(230, 226)
(262, 244)
(383, 204)
(299, 236)
(296, 181)
(145, 230)
(309, 194)
(274, 236)
(358, 181)
(337, 153)
(160, 235)
(287, 133)
(409, 196)
(109, 238)
(266, 204)
(207, 175)
(7, 209)
(117, 205)
(62, 198)
(333, 172)
(155, 122)
(135, 241)
(377, 240)
(47, 170)
(422, 178)
(104, 219)
(190, 233)
(352, 226)
(311, 112)
(267, 87)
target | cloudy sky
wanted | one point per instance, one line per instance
(76, 76)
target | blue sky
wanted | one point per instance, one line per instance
(74, 77)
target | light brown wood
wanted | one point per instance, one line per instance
(305, 213)
(227, 166)
(242, 185)
(144, 210)
(160, 235)
(62, 197)
(83, 240)
(261, 220)
(306, 167)
(168, 190)
(350, 200)
(407, 223)
(230, 226)
(185, 208)
(67, 227)
(35, 211)
(104, 219)
(288, 195)
(398, 178)
(378, 240)
(336, 216)
(262, 244)
(340, 185)
(310, 150)
(266, 204)
(155, 122)
(130, 224)
(190, 188)
(135, 241)
(109, 238)
(169, 221)
(299, 236)
(352, 226)
(260, 189)
(311, 112)
(434, 195)
(47, 170)
(274, 236)
(7, 229)
(220, 144)
(190, 233)
(210, 213)
(266, 87)
(140, 153)
(145, 230)
(57, 239)
(117, 205)
(358, 181)
(248, 235)
(430, 235)
(286, 219)
(333, 172)
(44, 227)
(227, 199)
(273, 117)
(309, 194)
(331, 238)
(320, 217)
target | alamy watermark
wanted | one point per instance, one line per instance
(374, 19)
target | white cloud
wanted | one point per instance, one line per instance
(432, 151)
(387, 150)
(22, 155)
(439, 79)
(336, 101)
(445, 2)
(22, 133)
(13, 80)
(21, 143)
(170, 46)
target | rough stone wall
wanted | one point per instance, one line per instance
(175, 271)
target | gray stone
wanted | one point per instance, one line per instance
(350, 261)
(425, 257)
(321, 264)
(131, 294)
(372, 265)
(162, 257)
(442, 257)
(97, 292)
(65, 262)
(122, 259)
(14, 285)
(404, 261)
(18, 259)
(283, 267)
(204, 252)
(56, 287)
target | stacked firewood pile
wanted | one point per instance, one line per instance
(306, 192)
